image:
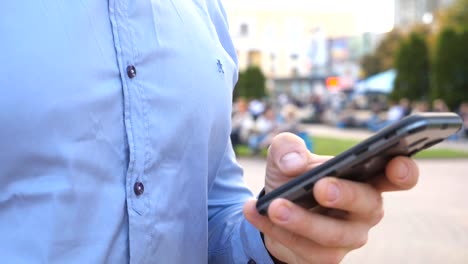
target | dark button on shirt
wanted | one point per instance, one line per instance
(131, 71)
(138, 188)
(252, 262)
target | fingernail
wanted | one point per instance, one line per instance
(332, 192)
(292, 160)
(282, 213)
(403, 171)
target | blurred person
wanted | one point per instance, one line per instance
(375, 121)
(262, 132)
(395, 112)
(290, 123)
(283, 99)
(420, 107)
(115, 135)
(333, 108)
(464, 115)
(361, 102)
(242, 123)
(269, 125)
(317, 107)
(337, 102)
(405, 104)
(256, 108)
(439, 106)
(289, 119)
(348, 118)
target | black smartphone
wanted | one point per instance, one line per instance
(369, 158)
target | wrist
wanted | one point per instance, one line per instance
(275, 260)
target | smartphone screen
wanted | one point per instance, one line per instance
(369, 158)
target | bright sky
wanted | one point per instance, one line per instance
(372, 15)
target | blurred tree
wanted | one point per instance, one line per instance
(422, 29)
(240, 89)
(426, 31)
(412, 66)
(383, 57)
(450, 67)
(370, 65)
(455, 16)
(251, 84)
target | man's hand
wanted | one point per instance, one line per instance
(347, 209)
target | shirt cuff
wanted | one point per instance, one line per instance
(253, 245)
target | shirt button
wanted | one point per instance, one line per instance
(131, 71)
(251, 262)
(138, 188)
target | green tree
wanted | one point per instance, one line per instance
(251, 84)
(383, 57)
(239, 89)
(450, 67)
(455, 16)
(412, 66)
(370, 64)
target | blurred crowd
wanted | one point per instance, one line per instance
(374, 111)
(383, 113)
(256, 122)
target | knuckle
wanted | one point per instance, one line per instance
(361, 241)
(334, 239)
(266, 227)
(375, 206)
(293, 239)
(270, 244)
(298, 260)
(334, 257)
(379, 200)
(379, 215)
(352, 197)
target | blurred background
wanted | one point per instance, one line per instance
(334, 72)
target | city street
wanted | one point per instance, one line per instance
(428, 224)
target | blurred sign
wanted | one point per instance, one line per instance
(339, 49)
(333, 83)
(336, 83)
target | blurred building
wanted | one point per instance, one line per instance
(296, 43)
(299, 44)
(410, 12)
(285, 41)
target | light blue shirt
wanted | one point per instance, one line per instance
(114, 134)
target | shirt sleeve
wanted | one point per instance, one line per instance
(232, 239)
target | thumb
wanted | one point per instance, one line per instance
(287, 157)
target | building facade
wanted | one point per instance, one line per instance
(299, 43)
(286, 40)
(410, 12)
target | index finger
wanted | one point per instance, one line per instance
(401, 173)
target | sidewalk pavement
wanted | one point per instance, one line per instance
(428, 224)
(360, 134)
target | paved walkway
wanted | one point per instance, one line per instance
(359, 134)
(428, 224)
